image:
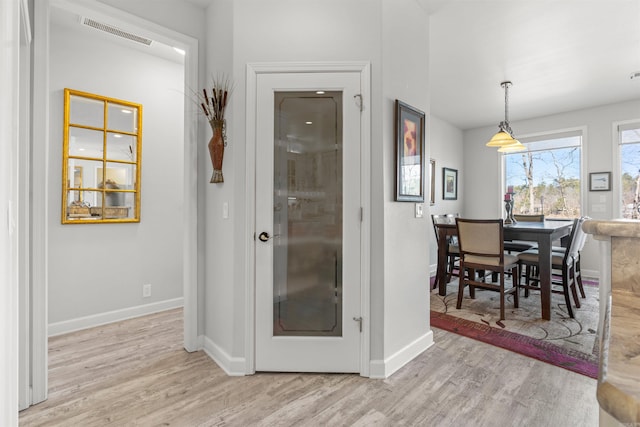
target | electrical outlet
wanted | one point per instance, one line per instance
(146, 290)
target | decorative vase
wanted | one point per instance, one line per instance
(216, 149)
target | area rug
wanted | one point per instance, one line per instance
(562, 341)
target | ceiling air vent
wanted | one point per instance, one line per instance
(115, 31)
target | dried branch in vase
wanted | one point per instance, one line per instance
(214, 102)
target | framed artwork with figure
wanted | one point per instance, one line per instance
(449, 184)
(410, 158)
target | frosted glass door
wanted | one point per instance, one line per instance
(308, 223)
(307, 219)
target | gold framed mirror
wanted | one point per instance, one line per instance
(102, 147)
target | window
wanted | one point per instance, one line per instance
(629, 149)
(101, 159)
(546, 177)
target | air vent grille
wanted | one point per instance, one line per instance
(115, 31)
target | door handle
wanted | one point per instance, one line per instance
(264, 236)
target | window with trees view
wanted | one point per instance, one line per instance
(546, 177)
(629, 140)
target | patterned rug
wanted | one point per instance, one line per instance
(562, 341)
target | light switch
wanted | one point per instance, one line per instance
(419, 210)
(225, 210)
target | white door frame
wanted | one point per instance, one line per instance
(253, 70)
(10, 79)
(40, 132)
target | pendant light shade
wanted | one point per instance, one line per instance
(515, 146)
(504, 138)
(500, 139)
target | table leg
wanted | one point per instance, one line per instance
(544, 258)
(441, 271)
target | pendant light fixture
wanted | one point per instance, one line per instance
(504, 139)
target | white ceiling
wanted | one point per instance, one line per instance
(561, 55)
(71, 21)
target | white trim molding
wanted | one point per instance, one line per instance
(94, 320)
(232, 366)
(381, 369)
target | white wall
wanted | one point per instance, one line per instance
(321, 30)
(446, 143)
(98, 268)
(482, 164)
(405, 62)
(223, 270)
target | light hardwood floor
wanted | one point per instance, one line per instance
(135, 373)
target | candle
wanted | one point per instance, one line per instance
(507, 197)
(510, 189)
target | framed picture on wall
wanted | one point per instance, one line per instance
(432, 182)
(600, 181)
(410, 160)
(449, 184)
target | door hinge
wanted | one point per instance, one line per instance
(359, 102)
(359, 320)
(361, 214)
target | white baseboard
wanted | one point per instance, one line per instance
(590, 274)
(381, 369)
(232, 366)
(433, 269)
(80, 323)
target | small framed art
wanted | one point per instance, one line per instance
(449, 184)
(600, 181)
(410, 159)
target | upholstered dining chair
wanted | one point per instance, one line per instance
(529, 217)
(481, 244)
(453, 251)
(564, 262)
(520, 246)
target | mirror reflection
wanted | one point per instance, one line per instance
(101, 163)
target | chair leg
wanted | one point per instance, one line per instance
(565, 288)
(460, 286)
(451, 267)
(515, 277)
(579, 277)
(502, 295)
(574, 292)
(472, 289)
(527, 278)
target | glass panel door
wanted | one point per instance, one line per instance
(307, 219)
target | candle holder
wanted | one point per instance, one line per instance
(508, 206)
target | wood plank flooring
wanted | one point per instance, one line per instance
(135, 373)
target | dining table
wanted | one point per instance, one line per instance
(542, 233)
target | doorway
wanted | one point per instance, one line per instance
(37, 360)
(308, 221)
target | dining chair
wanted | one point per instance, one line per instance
(453, 251)
(582, 236)
(518, 245)
(481, 244)
(564, 262)
(529, 217)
